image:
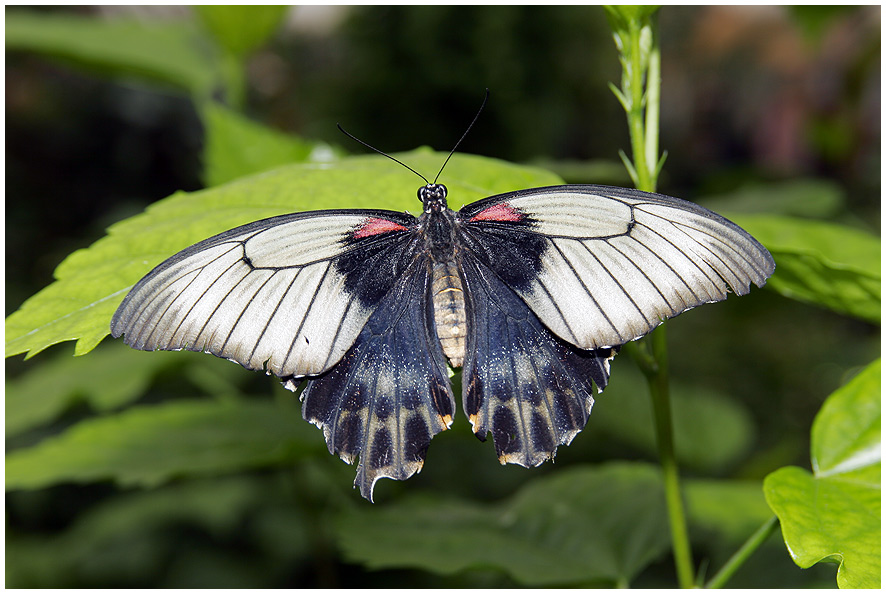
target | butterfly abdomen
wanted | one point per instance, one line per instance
(449, 311)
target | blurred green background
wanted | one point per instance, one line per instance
(764, 109)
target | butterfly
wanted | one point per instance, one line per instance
(530, 292)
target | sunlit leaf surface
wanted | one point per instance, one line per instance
(833, 513)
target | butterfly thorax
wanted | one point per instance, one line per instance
(438, 223)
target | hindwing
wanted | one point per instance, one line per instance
(390, 393)
(532, 390)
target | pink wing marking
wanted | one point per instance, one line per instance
(376, 226)
(499, 212)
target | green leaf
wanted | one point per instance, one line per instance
(236, 146)
(148, 445)
(629, 166)
(846, 432)
(826, 264)
(600, 525)
(834, 513)
(92, 282)
(241, 28)
(109, 379)
(625, 102)
(172, 54)
(113, 377)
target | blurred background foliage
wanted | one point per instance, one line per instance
(764, 109)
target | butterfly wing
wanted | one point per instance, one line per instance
(390, 393)
(601, 266)
(288, 294)
(531, 389)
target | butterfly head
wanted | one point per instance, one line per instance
(433, 196)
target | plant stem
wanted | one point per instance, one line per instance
(742, 554)
(653, 106)
(641, 57)
(659, 388)
(634, 92)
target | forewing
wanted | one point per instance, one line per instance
(602, 266)
(390, 393)
(531, 389)
(287, 294)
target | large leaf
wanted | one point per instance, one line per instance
(92, 282)
(598, 525)
(172, 54)
(147, 445)
(833, 513)
(104, 381)
(831, 265)
(236, 146)
(113, 377)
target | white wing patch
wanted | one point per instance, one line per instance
(575, 215)
(300, 241)
(616, 266)
(266, 295)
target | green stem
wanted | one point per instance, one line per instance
(635, 113)
(641, 57)
(742, 554)
(659, 388)
(653, 106)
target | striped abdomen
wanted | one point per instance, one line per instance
(449, 311)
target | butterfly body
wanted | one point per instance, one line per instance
(530, 292)
(437, 225)
(449, 311)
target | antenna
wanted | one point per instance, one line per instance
(369, 146)
(479, 111)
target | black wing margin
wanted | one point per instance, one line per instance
(531, 389)
(390, 393)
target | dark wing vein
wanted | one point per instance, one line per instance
(643, 273)
(676, 225)
(246, 306)
(304, 318)
(273, 313)
(589, 293)
(198, 299)
(180, 294)
(666, 263)
(215, 310)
